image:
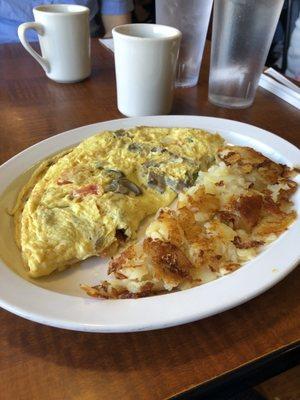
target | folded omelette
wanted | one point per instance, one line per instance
(88, 200)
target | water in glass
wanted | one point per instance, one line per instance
(191, 17)
(242, 35)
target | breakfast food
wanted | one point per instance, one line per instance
(90, 199)
(238, 205)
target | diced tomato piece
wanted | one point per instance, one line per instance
(86, 190)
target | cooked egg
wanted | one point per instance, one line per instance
(88, 200)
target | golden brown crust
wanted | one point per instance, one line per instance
(248, 210)
(169, 263)
(120, 261)
(237, 207)
(204, 202)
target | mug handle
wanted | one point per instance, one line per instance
(22, 36)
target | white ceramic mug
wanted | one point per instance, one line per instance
(64, 38)
(145, 61)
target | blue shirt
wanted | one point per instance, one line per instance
(15, 12)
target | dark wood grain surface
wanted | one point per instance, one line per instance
(39, 362)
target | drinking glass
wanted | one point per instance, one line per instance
(191, 17)
(242, 34)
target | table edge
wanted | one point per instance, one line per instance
(246, 375)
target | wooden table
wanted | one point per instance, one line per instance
(40, 362)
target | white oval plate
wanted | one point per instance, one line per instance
(58, 301)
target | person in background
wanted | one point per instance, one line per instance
(15, 12)
(284, 54)
(144, 11)
(114, 13)
(293, 56)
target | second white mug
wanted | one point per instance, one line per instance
(145, 60)
(64, 38)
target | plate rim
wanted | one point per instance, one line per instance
(91, 326)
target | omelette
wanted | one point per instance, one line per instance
(237, 206)
(89, 200)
